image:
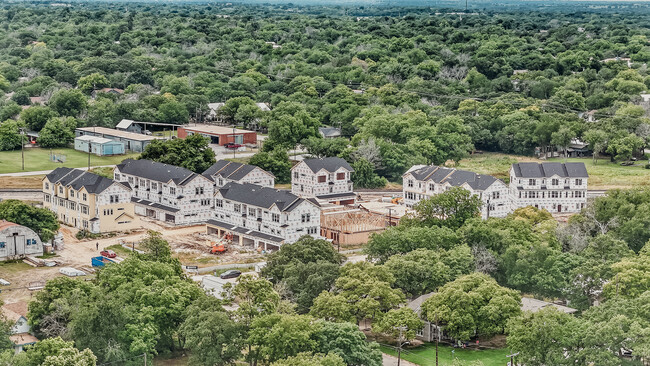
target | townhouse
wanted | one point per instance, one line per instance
(88, 201)
(421, 182)
(263, 217)
(224, 171)
(167, 193)
(555, 187)
(327, 179)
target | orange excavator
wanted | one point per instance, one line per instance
(219, 247)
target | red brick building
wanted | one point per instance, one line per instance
(219, 135)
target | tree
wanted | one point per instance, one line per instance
(92, 82)
(348, 342)
(290, 123)
(472, 305)
(156, 248)
(58, 132)
(210, 334)
(10, 137)
(564, 98)
(631, 276)
(278, 336)
(364, 288)
(597, 140)
(364, 175)
(323, 148)
(423, 270)
(332, 307)
(450, 208)
(304, 250)
(624, 148)
(193, 153)
(403, 239)
(68, 102)
(400, 324)
(542, 337)
(255, 298)
(307, 359)
(21, 97)
(36, 116)
(172, 112)
(57, 352)
(41, 220)
(563, 138)
(276, 162)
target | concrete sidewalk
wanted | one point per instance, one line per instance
(43, 172)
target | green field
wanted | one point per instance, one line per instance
(426, 355)
(37, 159)
(602, 175)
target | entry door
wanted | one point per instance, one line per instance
(19, 245)
(559, 208)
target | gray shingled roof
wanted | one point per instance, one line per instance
(329, 164)
(454, 177)
(156, 171)
(547, 170)
(229, 170)
(330, 131)
(252, 194)
(77, 179)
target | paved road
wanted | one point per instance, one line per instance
(43, 172)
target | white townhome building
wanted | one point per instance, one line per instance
(326, 179)
(555, 187)
(422, 181)
(166, 192)
(224, 171)
(262, 216)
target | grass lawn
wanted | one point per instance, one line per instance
(602, 175)
(31, 181)
(426, 355)
(39, 159)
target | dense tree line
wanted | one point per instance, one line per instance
(405, 90)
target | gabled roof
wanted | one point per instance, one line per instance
(547, 170)
(159, 172)
(230, 170)
(534, 305)
(254, 195)
(78, 179)
(331, 164)
(329, 131)
(454, 177)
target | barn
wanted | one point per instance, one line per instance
(17, 241)
(220, 135)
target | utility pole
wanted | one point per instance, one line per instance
(399, 342)
(234, 150)
(512, 358)
(22, 145)
(145, 359)
(435, 317)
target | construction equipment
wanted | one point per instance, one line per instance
(219, 247)
(396, 200)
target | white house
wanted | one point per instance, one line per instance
(17, 241)
(556, 187)
(421, 182)
(166, 192)
(224, 171)
(20, 332)
(262, 216)
(327, 179)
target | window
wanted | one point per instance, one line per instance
(306, 217)
(84, 223)
(47, 185)
(531, 182)
(321, 179)
(143, 182)
(295, 175)
(220, 181)
(578, 194)
(218, 203)
(130, 180)
(2, 244)
(275, 217)
(85, 197)
(251, 211)
(108, 211)
(432, 187)
(312, 230)
(61, 189)
(205, 202)
(555, 194)
(198, 190)
(496, 195)
(410, 183)
(114, 198)
(237, 207)
(578, 182)
(154, 186)
(172, 190)
(84, 209)
(340, 176)
(555, 182)
(117, 176)
(47, 198)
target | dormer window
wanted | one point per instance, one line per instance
(340, 176)
(555, 182)
(322, 178)
(531, 182)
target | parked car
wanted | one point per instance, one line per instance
(233, 273)
(232, 145)
(108, 253)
